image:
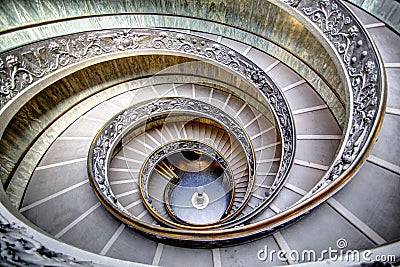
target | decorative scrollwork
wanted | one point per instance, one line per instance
(292, 3)
(127, 39)
(15, 73)
(21, 67)
(362, 66)
(335, 25)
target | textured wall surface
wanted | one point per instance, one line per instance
(25, 21)
(386, 10)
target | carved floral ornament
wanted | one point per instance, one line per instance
(363, 67)
(21, 67)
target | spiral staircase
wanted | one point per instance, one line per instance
(207, 133)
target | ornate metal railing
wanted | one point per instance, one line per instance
(111, 133)
(366, 85)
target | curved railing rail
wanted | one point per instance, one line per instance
(103, 145)
(366, 81)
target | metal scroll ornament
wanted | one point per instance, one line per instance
(363, 68)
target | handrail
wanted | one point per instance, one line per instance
(111, 133)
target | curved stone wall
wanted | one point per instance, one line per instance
(280, 32)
